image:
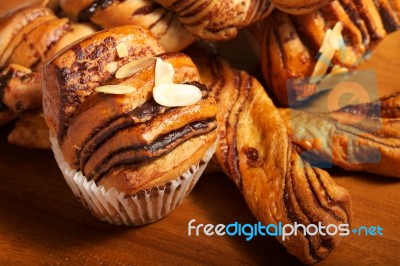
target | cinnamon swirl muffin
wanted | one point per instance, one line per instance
(131, 126)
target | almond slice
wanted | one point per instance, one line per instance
(112, 67)
(333, 41)
(133, 67)
(115, 89)
(122, 50)
(325, 42)
(322, 65)
(175, 95)
(336, 38)
(164, 73)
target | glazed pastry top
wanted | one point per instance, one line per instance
(111, 125)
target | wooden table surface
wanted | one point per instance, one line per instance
(42, 223)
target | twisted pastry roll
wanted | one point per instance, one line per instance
(217, 20)
(255, 151)
(362, 137)
(128, 141)
(162, 23)
(171, 21)
(30, 36)
(298, 51)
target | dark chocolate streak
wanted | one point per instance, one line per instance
(4, 79)
(160, 147)
(141, 114)
(354, 15)
(388, 18)
(85, 14)
(191, 12)
(235, 160)
(144, 10)
(291, 212)
(176, 4)
(289, 189)
(165, 13)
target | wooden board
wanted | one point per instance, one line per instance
(42, 223)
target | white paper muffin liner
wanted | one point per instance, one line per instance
(145, 206)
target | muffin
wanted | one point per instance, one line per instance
(131, 127)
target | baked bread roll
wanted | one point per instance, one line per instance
(174, 23)
(255, 151)
(128, 130)
(30, 36)
(361, 137)
(298, 51)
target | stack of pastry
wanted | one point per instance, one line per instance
(132, 127)
(29, 37)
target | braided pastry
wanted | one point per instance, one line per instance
(30, 36)
(171, 21)
(295, 51)
(362, 137)
(217, 20)
(255, 151)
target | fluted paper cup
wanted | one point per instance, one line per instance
(145, 206)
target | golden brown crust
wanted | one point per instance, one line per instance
(30, 36)
(131, 179)
(82, 68)
(36, 43)
(13, 23)
(21, 35)
(20, 89)
(217, 20)
(174, 23)
(360, 137)
(126, 141)
(256, 153)
(290, 43)
(30, 132)
(299, 6)
(74, 32)
(162, 23)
